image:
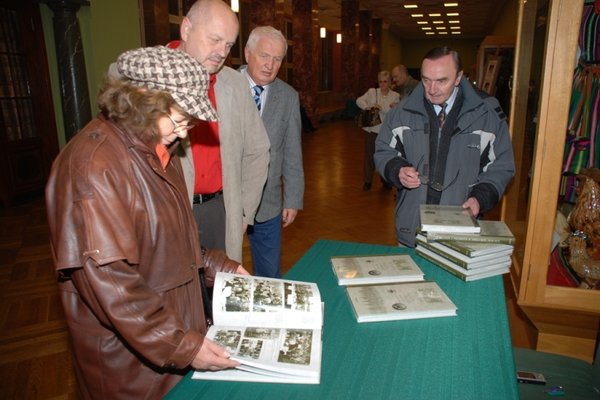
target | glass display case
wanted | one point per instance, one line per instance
(567, 318)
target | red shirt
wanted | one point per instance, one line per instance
(206, 149)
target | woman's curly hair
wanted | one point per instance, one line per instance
(136, 109)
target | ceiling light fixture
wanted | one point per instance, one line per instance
(437, 22)
(426, 28)
(338, 38)
(435, 14)
(417, 15)
(422, 22)
(456, 32)
(450, 4)
(430, 33)
(323, 32)
(411, 6)
(454, 21)
(452, 14)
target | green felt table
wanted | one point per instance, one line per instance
(464, 357)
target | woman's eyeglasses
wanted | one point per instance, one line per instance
(178, 126)
(424, 177)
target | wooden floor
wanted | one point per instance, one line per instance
(34, 355)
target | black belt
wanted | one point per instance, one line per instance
(203, 198)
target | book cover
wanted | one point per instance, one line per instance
(477, 249)
(271, 326)
(388, 268)
(399, 301)
(444, 218)
(463, 260)
(466, 275)
(491, 232)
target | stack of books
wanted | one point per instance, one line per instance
(463, 246)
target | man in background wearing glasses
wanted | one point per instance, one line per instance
(445, 144)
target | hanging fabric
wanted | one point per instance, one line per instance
(582, 149)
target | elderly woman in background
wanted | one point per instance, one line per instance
(123, 236)
(382, 98)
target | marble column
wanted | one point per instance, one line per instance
(376, 25)
(71, 65)
(306, 54)
(365, 75)
(350, 60)
(262, 12)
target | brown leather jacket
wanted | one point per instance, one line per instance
(127, 255)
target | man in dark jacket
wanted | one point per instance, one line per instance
(444, 144)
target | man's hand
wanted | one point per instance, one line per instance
(288, 215)
(213, 357)
(473, 205)
(409, 177)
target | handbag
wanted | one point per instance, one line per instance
(369, 116)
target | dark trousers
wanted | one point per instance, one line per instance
(369, 152)
(210, 218)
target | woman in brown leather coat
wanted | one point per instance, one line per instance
(124, 238)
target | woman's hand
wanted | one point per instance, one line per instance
(213, 357)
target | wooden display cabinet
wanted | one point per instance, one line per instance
(567, 318)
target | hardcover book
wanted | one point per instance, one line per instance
(388, 268)
(271, 326)
(491, 232)
(398, 301)
(463, 260)
(466, 275)
(444, 218)
(476, 249)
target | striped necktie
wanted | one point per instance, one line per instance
(257, 91)
(442, 115)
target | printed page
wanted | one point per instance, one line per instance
(272, 351)
(241, 300)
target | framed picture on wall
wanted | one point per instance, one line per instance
(492, 67)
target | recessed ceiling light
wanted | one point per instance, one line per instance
(435, 14)
(417, 15)
(440, 28)
(453, 14)
(454, 21)
(442, 33)
(456, 32)
(437, 22)
(411, 6)
(422, 22)
(426, 28)
(430, 33)
(450, 4)
(455, 27)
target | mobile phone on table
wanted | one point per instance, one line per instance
(531, 377)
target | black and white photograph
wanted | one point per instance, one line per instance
(268, 296)
(236, 292)
(296, 347)
(228, 338)
(250, 348)
(262, 333)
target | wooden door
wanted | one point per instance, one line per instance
(28, 138)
